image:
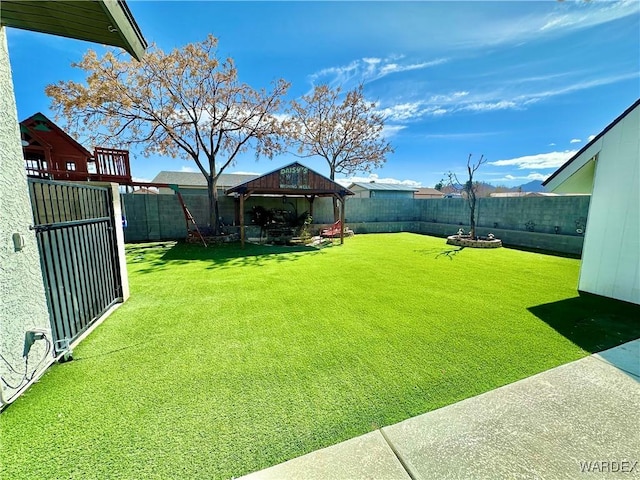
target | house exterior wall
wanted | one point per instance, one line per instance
(359, 192)
(611, 257)
(23, 304)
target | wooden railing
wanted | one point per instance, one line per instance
(111, 162)
(107, 165)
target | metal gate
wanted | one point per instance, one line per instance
(74, 226)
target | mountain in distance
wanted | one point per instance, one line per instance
(485, 189)
(532, 186)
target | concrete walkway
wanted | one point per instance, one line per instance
(578, 420)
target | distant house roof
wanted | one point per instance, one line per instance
(586, 153)
(397, 187)
(428, 192)
(146, 191)
(196, 179)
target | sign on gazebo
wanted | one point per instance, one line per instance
(295, 176)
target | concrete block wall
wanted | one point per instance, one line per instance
(528, 221)
(383, 210)
(153, 217)
(570, 244)
(541, 214)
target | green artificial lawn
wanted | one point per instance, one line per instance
(225, 361)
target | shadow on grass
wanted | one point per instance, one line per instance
(542, 251)
(437, 252)
(450, 253)
(159, 256)
(593, 323)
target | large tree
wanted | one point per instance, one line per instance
(186, 103)
(345, 130)
(469, 189)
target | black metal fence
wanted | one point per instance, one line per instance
(74, 226)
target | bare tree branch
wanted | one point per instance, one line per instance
(186, 103)
(469, 189)
(344, 130)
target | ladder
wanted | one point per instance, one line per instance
(187, 216)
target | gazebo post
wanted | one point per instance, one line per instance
(311, 199)
(342, 219)
(242, 220)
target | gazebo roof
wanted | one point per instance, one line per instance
(292, 179)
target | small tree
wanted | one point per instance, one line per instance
(469, 190)
(186, 103)
(344, 130)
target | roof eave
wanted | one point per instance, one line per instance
(553, 182)
(128, 29)
(106, 22)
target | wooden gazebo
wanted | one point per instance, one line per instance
(294, 180)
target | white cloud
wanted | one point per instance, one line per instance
(538, 161)
(576, 86)
(487, 101)
(402, 111)
(185, 168)
(449, 97)
(504, 91)
(375, 178)
(389, 131)
(490, 106)
(532, 176)
(140, 179)
(552, 144)
(281, 117)
(368, 69)
(575, 140)
(461, 136)
(591, 137)
(578, 15)
(246, 173)
(395, 68)
(340, 74)
(559, 19)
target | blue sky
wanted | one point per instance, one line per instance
(524, 83)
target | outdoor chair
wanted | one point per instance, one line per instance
(333, 231)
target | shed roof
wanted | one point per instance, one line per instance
(292, 179)
(397, 187)
(107, 22)
(197, 179)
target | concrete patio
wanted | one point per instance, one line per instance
(579, 418)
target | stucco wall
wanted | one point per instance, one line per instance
(611, 257)
(22, 298)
